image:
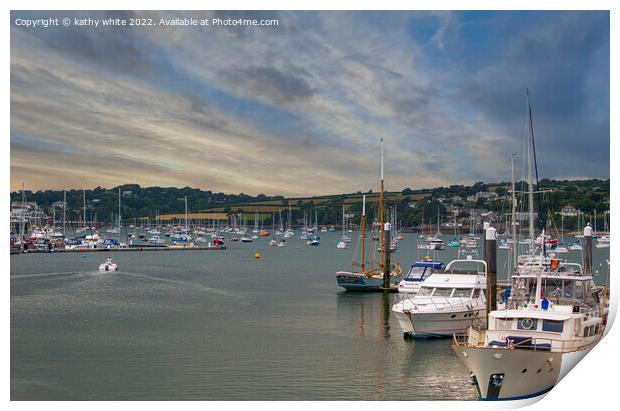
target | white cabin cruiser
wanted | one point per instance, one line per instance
(434, 243)
(109, 265)
(531, 345)
(447, 301)
(418, 272)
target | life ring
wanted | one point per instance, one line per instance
(527, 323)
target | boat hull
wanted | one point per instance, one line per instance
(520, 373)
(405, 322)
(361, 282)
(440, 324)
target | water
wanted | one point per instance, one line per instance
(218, 325)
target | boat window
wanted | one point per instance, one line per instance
(442, 292)
(503, 324)
(462, 292)
(476, 293)
(416, 273)
(527, 323)
(425, 291)
(553, 326)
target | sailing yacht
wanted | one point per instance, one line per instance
(342, 243)
(183, 237)
(561, 248)
(314, 240)
(255, 230)
(604, 240)
(370, 277)
(289, 233)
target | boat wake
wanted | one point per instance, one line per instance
(180, 282)
(17, 277)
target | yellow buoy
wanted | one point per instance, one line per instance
(257, 255)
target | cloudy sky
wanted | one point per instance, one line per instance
(299, 108)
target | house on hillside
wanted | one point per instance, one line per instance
(569, 211)
(487, 195)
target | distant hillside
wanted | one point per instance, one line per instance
(142, 202)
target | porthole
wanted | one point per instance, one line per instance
(453, 315)
(524, 370)
(527, 323)
(539, 370)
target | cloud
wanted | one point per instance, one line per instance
(267, 83)
(298, 108)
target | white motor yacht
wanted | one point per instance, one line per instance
(446, 302)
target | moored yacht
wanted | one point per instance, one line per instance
(379, 274)
(552, 320)
(434, 243)
(446, 302)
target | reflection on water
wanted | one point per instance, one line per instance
(217, 325)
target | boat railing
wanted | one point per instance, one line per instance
(477, 339)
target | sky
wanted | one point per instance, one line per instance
(298, 109)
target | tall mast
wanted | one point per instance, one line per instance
(529, 176)
(562, 235)
(515, 242)
(64, 213)
(119, 212)
(186, 219)
(381, 210)
(343, 228)
(84, 195)
(363, 233)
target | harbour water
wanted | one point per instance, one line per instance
(221, 325)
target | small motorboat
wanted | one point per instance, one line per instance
(109, 265)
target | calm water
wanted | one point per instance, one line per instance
(219, 325)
